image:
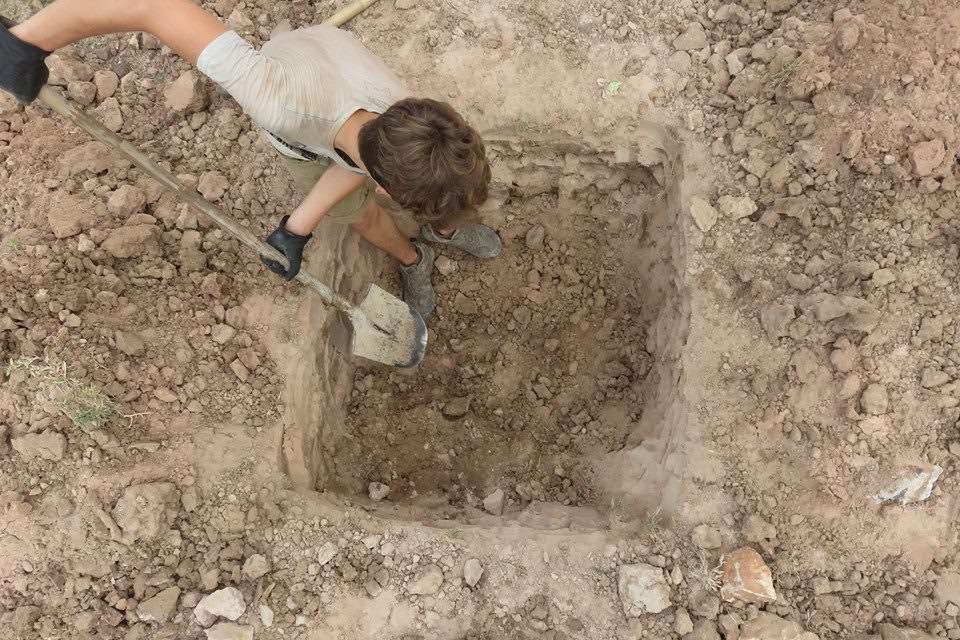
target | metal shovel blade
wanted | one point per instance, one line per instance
(387, 330)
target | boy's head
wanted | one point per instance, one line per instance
(430, 161)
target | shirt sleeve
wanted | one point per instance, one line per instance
(250, 77)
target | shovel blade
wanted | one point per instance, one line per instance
(387, 330)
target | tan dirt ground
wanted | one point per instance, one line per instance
(725, 317)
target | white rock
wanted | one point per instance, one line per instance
(472, 572)
(445, 265)
(703, 214)
(378, 491)
(327, 552)
(224, 603)
(160, 607)
(229, 631)
(737, 207)
(642, 590)
(493, 503)
(266, 615)
(428, 583)
(256, 567)
(913, 483)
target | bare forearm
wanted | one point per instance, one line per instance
(180, 24)
(332, 187)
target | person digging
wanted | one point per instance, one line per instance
(339, 117)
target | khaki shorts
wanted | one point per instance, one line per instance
(349, 210)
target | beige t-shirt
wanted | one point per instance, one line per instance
(302, 85)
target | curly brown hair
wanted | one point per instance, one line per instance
(430, 161)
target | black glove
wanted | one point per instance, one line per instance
(289, 244)
(22, 71)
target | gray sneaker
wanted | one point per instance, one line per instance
(476, 239)
(417, 287)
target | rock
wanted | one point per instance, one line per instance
(126, 201)
(186, 94)
(642, 589)
(107, 84)
(327, 552)
(160, 607)
(737, 207)
(767, 626)
(913, 483)
(239, 370)
(756, 529)
(493, 503)
(704, 604)
(682, 624)
(693, 37)
(428, 583)
(224, 603)
(68, 214)
(703, 214)
(145, 511)
(378, 491)
(472, 572)
(932, 378)
(129, 343)
(927, 156)
(534, 237)
(848, 36)
(445, 266)
(746, 578)
(776, 320)
(266, 615)
(457, 408)
(110, 115)
(403, 5)
(212, 185)
(64, 70)
(851, 143)
(856, 314)
(83, 93)
(48, 445)
(136, 240)
(255, 567)
(229, 631)
(706, 537)
(190, 255)
(890, 632)
(222, 333)
(779, 6)
(874, 400)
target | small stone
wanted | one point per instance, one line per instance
(186, 95)
(874, 400)
(883, 277)
(703, 214)
(69, 214)
(776, 320)
(927, 156)
(222, 333)
(378, 491)
(705, 630)
(403, 5)
(107, 84)
(146, 511)
(445, 266)
(224, 603)
(932, 378)
(110, 115)
(642, 589)
(83, 93)
(160, 607)
(239, 370)
(534, 237)
(255, 567)
(472, 572)
(737, 207)
(911, 484)
(266, 615)
(229, 631)
(848, 36)
(693, 37)
(493, 503)
(212, 185)
(457, 408)
(707, 537)
(767, 626)
(136, 240)
(327, 552)
(48, 445)
(428, 583)
(683, 624)
(746, 578)
(126, 201)
(851, 143)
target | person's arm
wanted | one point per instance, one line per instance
(179, 24)
(291, 236)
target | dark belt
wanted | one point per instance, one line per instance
(308, 155)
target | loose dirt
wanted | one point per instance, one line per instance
(709, 390)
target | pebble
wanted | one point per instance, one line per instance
(428, 583)
(327, 552)
(913, 483)
(767, 626)
(682, 624)
(703, 214)
(642, 589)
(472, 572)
(229, 631)
(185, 95)
(737, 207)
(693, 37)
(746, 578)
(48, 445)
(266, 615)
(874, 400)
(927, 156)
(378, 491)
(225, 603)
(160, 607)
(444, 265)
(706, 537)
(534, 237)
(493, 503)
(255, 567)
(457, 408)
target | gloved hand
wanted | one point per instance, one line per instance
(289, 244)
(22, 71)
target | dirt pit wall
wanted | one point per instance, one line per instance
(550, 392)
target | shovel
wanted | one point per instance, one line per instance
(384, 328)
